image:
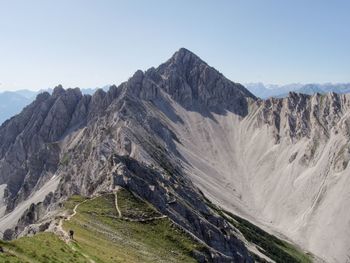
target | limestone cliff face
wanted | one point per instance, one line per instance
(316, 118)
(29, 149)
(299, 115)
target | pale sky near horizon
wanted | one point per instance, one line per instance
(85, 43)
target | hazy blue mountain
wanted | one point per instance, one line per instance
(324, 88)
(265, 91)
(29, 94)
(11, 103)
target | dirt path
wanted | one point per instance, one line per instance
(156, 218)
(143, 219)
(116, 202)
(59, 229)
(64, 234)
(132, 219)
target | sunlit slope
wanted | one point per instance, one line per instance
(138, 234)
(119, 227)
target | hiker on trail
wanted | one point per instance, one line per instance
(71, 233)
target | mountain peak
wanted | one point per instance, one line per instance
(191, 81)
(185, 52)
(58, 90)
(185, 57)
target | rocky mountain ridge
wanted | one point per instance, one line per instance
(11, 103)
(57, 132)
(171, 133)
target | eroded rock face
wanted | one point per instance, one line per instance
(26, 224)
(29, 149)
(285, 164)
(300, 115)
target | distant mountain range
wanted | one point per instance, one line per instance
(12, 102)
(265, 91)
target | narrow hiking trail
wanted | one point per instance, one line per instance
(157, 218)
(143, 219)
(63, 234)
(60, 230)
(116, 201)
(132, 219)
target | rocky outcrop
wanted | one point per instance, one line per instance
(29, 149)
(298, 115)
(27, 224)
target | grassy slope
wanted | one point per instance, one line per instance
(100, 236)
(106, 238)
(44, 247)
(271, 246)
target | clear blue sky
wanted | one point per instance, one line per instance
(92, 43)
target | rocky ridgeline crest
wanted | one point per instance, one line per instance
(300, 115)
